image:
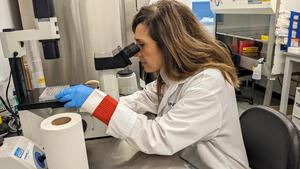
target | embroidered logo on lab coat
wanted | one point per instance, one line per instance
(171, 104)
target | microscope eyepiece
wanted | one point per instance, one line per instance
(119, 60)
(131, 50)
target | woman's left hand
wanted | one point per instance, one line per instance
(74, 96)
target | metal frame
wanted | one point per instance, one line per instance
(267, 67)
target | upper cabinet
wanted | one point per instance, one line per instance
(244, 6)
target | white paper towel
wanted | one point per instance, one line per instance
(64, 142)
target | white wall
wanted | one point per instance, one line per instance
(291, 5)
(9, 18)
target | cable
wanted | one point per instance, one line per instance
(12, 123)
(6, 92)
(6, 107)
(15, 124)
(15, 54)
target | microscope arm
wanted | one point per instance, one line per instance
(13, 41)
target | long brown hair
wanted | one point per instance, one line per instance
(186, 45)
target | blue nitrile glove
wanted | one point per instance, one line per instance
(74, 96)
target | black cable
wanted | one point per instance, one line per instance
(6, 92)
(8, 106)
(15, 54)
(13, 114)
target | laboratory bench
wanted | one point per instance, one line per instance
(112, 153)
(103, 153)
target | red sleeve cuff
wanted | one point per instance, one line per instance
(105, 109)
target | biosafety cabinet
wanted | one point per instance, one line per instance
(253, 21)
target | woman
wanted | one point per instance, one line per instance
(193, 96)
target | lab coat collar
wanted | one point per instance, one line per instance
(168, 81)
(171, 85)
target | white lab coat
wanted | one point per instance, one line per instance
(197, 117)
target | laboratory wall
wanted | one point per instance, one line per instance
(291, 5)
(86, 27)
(9, 18)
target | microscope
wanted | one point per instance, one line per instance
(109, 64)
(31, 109)
(12, 41)
(21, 152)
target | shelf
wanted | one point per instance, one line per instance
(240, 37)
(244, 33)
(247, 62)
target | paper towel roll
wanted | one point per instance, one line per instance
(64, 142)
